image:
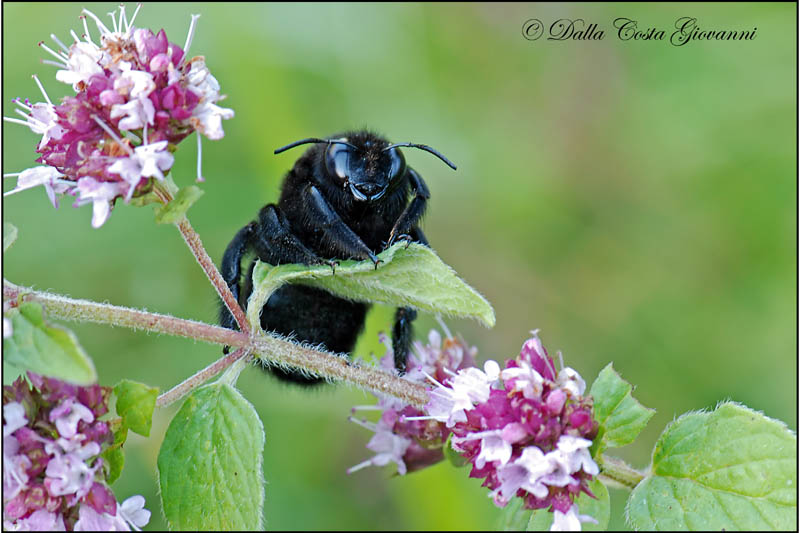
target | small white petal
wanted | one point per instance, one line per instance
(14, 415)
(137, 113)
(571, 520)
(132, 510)
(83, 63)
(571, 381)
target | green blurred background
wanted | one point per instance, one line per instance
(633, 200)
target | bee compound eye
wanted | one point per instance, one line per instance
(337, 160)
(397, 164)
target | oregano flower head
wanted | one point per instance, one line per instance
(525, 429)
(137, 95)
(54, 477)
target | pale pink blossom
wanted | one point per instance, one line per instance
(70, 474)
(570, 521)
(137, 113)
(100, 194)
(83, 63)
(15, 466)
(133, 512)
(133, 83)
(41, 520)
(387, 446)
(147, 161)
(49, 177)
(91, 520)
(67, 415)
(13, 417)
(571, 381)
(525, 379)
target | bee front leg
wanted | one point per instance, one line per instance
(336, 231)
(276, 244)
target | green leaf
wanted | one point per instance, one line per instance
(10, 373)
(9, 235)
(146, 199)
(516, 518)
(409, 277)
(730, 469)
(174, 210)
(45, 349)
(210, 463)
(620, 415)
(513, 517)
(135, 404)
(113, 456)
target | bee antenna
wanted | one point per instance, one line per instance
(312, 140)
(427, 149)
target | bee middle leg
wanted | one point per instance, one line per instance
(403, 330)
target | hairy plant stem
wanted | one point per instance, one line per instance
(194, 243)
(616, 473)
(196, 246)
(189, 384)
(270, 349)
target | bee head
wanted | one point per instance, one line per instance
(364, 163)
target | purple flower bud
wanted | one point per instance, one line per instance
(555, 401)
(178, 101)
(102, 499)
(514, 432)
(176, 53)
(15, 507)
(534, 354)
(95, 398)
(99, 433)
(160, 63)
(418, 457)
(36, 497)
(110, 97)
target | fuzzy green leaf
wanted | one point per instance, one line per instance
(210, 463)
(11, 373)
(514, 517)
(176, 209)
(45, 349)
(9, 235)
(407, 277)
(113, 456)
(731, 469)
(135, 404)
(620, 415)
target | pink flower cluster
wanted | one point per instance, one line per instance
(402, 434)
(137, 96)
(53, 475)
(526, 429)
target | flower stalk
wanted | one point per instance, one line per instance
(617, 473)
(188, 385)
(268, 348)
(194, 243)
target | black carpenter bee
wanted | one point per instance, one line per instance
(347, 197)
